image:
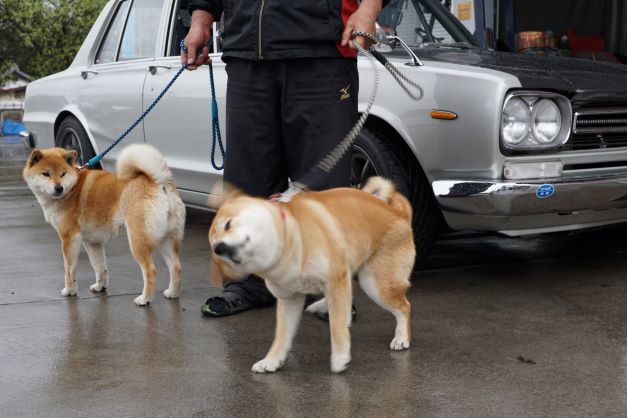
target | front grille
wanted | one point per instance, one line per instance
(599, 127)
(583, 141)
(600, 120)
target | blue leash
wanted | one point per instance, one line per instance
(215, 126)
(216, 137)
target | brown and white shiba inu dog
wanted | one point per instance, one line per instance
(91, 206)
(314, 244)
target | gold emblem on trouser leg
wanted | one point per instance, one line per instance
(345, 94)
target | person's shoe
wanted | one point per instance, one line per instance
(228, 303)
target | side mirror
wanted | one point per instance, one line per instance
(385, 41)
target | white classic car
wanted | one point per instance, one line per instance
(499, 142)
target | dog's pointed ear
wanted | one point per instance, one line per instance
(223, 192)
(70, 157)
(34, 157)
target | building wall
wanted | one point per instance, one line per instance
(12, 104)
(12, 96)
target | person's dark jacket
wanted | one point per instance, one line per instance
(279, 29)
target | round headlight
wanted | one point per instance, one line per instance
(547, 121)
(515, 122)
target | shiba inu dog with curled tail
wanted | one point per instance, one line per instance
(316, 243)
(92, 206)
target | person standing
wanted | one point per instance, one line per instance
(291, 97)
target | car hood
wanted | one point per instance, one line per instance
(581, 79)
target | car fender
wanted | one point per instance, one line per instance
(475, 94)
(73, 110)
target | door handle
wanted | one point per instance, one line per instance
(153, 68)
(85, 73)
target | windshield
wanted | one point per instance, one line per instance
(420, 22)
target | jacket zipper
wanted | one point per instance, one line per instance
(263, 2)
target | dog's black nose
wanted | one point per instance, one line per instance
(222, 249)
(58, 189)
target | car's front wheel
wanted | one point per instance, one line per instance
(72, 136)
(375, 155)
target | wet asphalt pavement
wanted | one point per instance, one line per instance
(501, 327)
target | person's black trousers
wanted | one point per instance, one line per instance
(282, 118)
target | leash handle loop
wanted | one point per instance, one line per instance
(216, 136)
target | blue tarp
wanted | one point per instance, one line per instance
(11, 127)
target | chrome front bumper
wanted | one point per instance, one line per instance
(512, 199)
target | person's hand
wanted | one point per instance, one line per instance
(363, 20)
(197, 39)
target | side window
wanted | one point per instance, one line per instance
(109, 46)
(180, 26)
(131, 34)
(140, 34)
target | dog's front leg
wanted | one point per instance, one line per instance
(288, 314)
(339, 301)
(71, 247)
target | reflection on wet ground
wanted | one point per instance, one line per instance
(470, 248)
(501, 327)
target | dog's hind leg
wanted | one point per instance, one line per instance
(98, 259)
(288, 314)
(141, 248)
(71, 246)
(385, 278)
(339, 300)
(170, 248)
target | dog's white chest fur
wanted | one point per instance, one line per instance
(52, 214)
(310, 280)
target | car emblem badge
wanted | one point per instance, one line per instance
(545, 191)
(345, 93)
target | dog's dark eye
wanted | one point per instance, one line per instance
(45, 174)
(228, 225)
(62, 174)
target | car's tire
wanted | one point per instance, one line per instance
(373, 154)
(72, 136)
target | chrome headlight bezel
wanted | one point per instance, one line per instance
(531, 143)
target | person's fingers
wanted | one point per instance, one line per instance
(183, 56)
(191, 54)
(204, 55)
(359, 40)
(201, 59)
(346, 35)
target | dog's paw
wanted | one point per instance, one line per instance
(267, 365)
(141, 300)
(399, 343)
(170, 294)
(339, 362)
(69, 291)
(98, 287)
(319, 306)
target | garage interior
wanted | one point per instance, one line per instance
(588, 29)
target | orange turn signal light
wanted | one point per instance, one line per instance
(443, 114)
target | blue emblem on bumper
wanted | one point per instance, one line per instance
(545, 191)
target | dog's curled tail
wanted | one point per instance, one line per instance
(144, 159)
(385, 190)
